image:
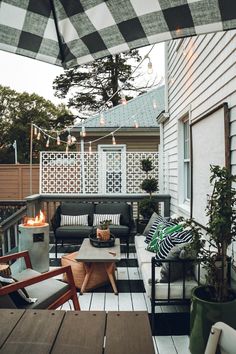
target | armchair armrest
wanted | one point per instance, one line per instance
(14, 256)
(56, 219)
(38, 278)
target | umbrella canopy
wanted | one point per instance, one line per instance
(73, 32)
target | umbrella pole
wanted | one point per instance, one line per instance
(31, 156)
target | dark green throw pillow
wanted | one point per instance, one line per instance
(176, 268)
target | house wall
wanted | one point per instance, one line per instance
(137, 143)
(201, 76)
(15, 181)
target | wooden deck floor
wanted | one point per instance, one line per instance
(131, 297)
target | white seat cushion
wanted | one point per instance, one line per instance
(176, 289)
(139, 242)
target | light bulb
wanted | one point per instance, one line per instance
(90, 147)
(73, 139)
(150, 69)
(58, 140)
(83, 132)
(69, 139)
(154, 103)
(136, 125)
(102, 119)
(123, 99)
(113, 140)
(35, 131)
(39, 135)
(47, 143)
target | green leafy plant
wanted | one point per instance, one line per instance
(150, 185)
(221, 231)
(105, 224)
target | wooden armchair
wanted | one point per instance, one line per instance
(50, 293)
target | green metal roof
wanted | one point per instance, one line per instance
(140, 109)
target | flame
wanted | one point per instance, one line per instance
(39, 220)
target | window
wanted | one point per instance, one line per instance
(184, 172)
(186, 161)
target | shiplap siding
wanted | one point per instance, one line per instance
(201, 76)
(133, 143)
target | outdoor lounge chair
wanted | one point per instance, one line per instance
(50, 293)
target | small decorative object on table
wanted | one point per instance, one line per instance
(103, 231)
(96, 242)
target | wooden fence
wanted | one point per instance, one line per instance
(15, 181)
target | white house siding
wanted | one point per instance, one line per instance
(201, 75)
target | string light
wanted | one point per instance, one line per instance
(136, 125)
(149, 66)
(123, 98)
(83, 132)
(90, 147)
(102, 119)
(113, 139)
(72, 139)
(58, 140)
(69, 139)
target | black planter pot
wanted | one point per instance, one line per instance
(203, 315)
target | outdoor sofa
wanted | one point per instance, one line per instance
(76, 230)
(167, 281)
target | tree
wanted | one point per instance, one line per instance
(17, 111)
(89, 86)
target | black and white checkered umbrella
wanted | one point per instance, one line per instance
(73, 32)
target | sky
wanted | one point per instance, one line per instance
(30, 75)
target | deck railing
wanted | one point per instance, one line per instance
(12, 214)
(49, 203)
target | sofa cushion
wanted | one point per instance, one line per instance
(46, 291)
(74, 220)
(73, 232)
(119, 230)
(123, 209)
(75, 208)
(176, 288)
(139, 241)
(144, 256)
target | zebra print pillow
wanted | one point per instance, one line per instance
(72, 220)
(172, 240)
(97, 218)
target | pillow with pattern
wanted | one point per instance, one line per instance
(74, 220)
(172, 240)
(97, 218)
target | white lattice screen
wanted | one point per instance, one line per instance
(71, 173)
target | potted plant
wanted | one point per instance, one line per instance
(103, 231)
(150, 185)
(215, 301)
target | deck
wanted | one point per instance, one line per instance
(131, 297)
